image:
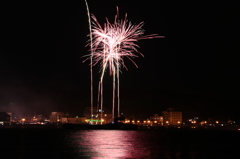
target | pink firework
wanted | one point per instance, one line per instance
(111, 43)
(114, 41)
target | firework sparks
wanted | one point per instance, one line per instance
(115, 41)
(111, 44)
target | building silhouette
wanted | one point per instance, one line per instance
(4, 118)
(172, 117)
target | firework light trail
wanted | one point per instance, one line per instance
(91, 73)
(110, 45)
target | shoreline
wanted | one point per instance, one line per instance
(114, 127)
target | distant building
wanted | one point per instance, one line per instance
(4, 118)
(10, 113)
(57, 117)
(157, 120)
(37, 119)
(61, 117)
(172, 117)
(74, 120)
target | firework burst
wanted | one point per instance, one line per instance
(113, 42)
(110, 44)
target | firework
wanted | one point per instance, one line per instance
(110, 44)
(91, 73)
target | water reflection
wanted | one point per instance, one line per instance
(170, 144)
(117, 144)
(109, 144)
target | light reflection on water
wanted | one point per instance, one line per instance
(118, 144)
(122, 144)
(110, 144)
(106, 143)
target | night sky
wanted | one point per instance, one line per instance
(194, 69)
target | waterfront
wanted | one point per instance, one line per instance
(37, 143)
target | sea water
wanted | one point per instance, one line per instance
(59, 143)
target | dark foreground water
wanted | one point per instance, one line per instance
(50, 143)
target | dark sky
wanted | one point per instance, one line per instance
(194, 69)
